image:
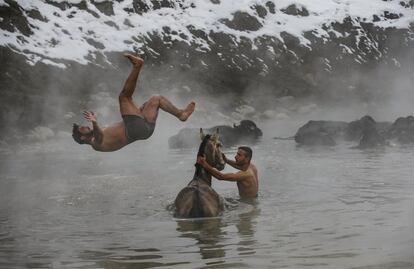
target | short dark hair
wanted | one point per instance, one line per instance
(76, 134)
(249, 151)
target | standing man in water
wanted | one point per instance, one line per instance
(138, 122)
(246, 178)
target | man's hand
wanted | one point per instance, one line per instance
(89, 116)
(201, 160)
(224, 157)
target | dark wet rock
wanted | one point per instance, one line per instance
(60, 5)
(93, 13)
(243, 21)
(140, 6)
(129, 24)
(35, 14)
(112, 24)
(271, 6)
(260, 10)
(82, 5)
(94, 43)
(402, 130)
(197, 33)
(391, 16)
(158, 4)
(376, 18)
(245, 132)
(296, 11)
(290, 40)
(105, 7)
(320, 133)
(12, 17)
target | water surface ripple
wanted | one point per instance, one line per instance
(318, 208)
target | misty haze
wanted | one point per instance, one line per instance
(321, 91)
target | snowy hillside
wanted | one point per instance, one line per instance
(77, 30)
(264, 57)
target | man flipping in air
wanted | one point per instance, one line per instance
(138, 122)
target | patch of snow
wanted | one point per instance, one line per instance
(41, 133)
(69, 115)
(396, 63)
(243, 112)
(50, 38)
(49, 62)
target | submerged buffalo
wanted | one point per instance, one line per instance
(402, 130)
(356, 129)
(366, 131)
(246, 132)
(320, 133)
(370, 136)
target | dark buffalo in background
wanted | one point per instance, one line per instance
(245, 132)
(366, 131)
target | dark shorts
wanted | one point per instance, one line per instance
(137, 128)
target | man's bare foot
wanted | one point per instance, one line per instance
(187, 111)
(135, 60)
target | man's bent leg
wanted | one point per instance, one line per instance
(126, 104)
(151, 107)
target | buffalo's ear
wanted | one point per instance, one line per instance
(202, 135)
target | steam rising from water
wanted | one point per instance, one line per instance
(121, 194)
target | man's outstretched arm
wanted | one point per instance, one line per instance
(230, 162)
(97, 131)
(220, 176)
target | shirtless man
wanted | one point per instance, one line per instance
(246, 178)
(138, 122)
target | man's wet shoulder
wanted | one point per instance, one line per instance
(253, 167)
